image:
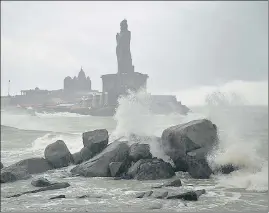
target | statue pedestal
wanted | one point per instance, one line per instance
(119, 84)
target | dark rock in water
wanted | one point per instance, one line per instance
(57, 197)
(151, 169)
(114, 168)
(139, 151)
(77, 158)
(144, 194)
(41, 182)
(58, 154)
(98, 166)
(23, 169)
(181, 163)
(198, 167)
(2, 166)
(95, 140)
(160, 195)
(157, 187)
(190, 196)
(86, 154)
(140, 195)
(226, 169)
(14, 175)
(89, 196)
(181, 139)
(148, 193)
(82, 196)
(174, 183)
(47, 188)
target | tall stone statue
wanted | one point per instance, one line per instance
(123, 49)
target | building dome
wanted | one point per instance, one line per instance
(81, 74)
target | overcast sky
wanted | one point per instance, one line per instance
(184, 47)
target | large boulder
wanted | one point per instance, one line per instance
(24, 168)
(58, 154)
(151, 169)
(225, 169)
(98, 166)
(95, 140)
(83, 155)
(115, 168)
(86, 154)
(77, 159)
(198, 167)
(178, 140)
(139, 151)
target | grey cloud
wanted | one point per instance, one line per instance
(178, 44)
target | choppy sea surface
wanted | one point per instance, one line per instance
(243, 135)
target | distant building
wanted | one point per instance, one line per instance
(77, 84)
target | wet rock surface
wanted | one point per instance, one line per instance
(115, 168)
(181, 139)
(58, 154)
(95, 140)
(98, 166)
(189, 196)
(151, 169)
(139, 151)
(23, 169)
(55, 186)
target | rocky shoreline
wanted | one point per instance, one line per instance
(187, 145)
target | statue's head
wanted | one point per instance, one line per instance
(123, 25)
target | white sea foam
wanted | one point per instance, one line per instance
(72, 141)
(235, 148)
(59, 114)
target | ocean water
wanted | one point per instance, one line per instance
(243, 133)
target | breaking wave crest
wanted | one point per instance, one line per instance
(238, 146)
(134, 117)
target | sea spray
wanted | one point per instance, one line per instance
(134, 117)
(234, 147)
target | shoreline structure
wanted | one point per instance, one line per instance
(77, 96)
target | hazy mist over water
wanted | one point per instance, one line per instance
(212, 55)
